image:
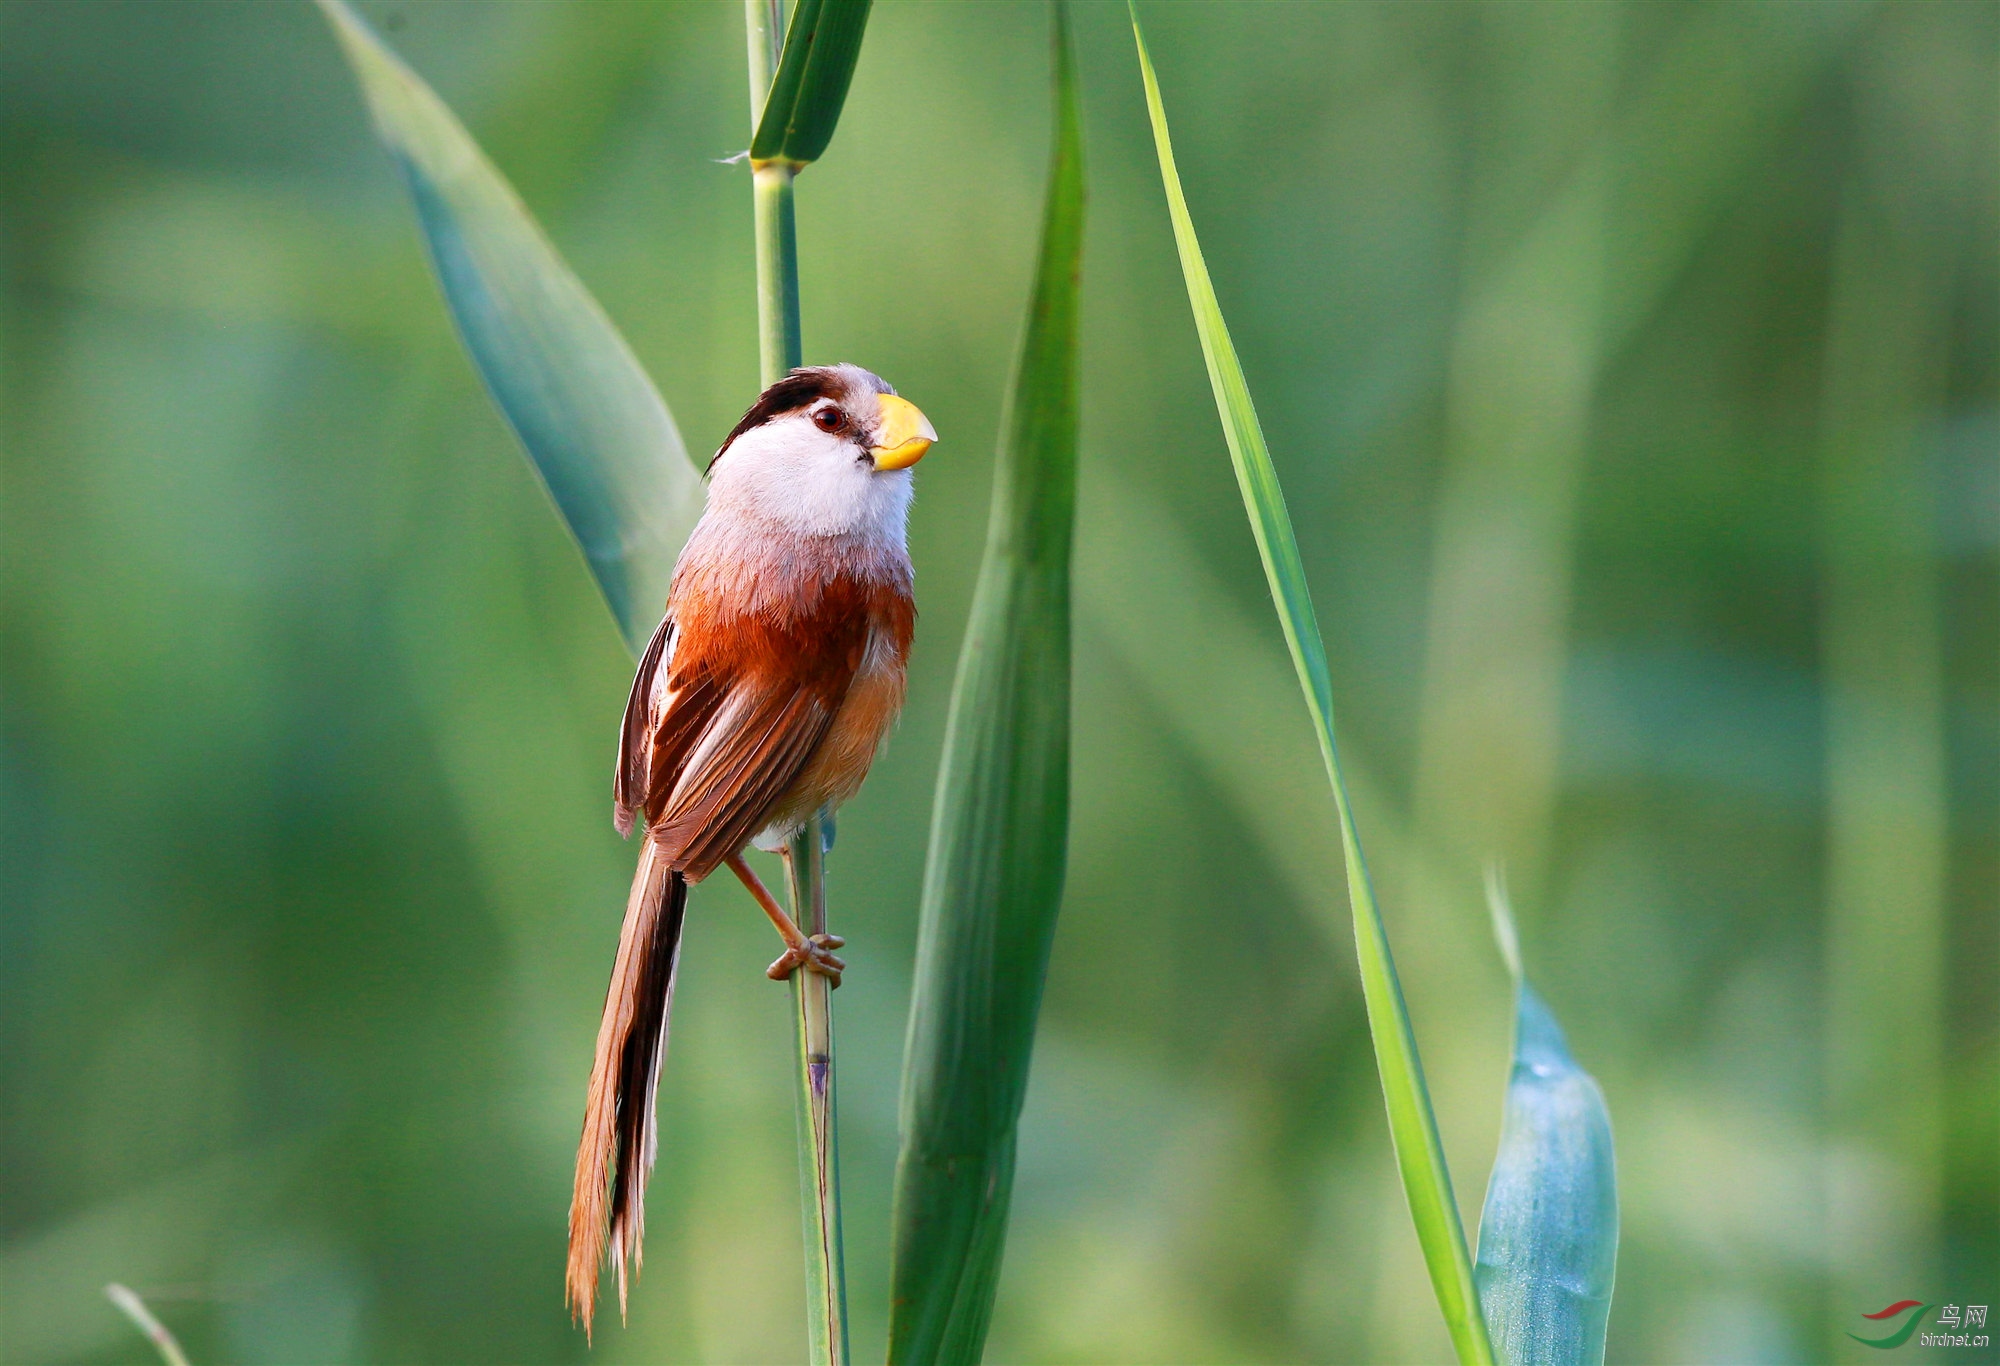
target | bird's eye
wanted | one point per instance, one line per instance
(828, 419)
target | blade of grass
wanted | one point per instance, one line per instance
(1548, 1238)
(999, 831)
(838, 25)
(594, 427)
(1412, 1125)
(798, 116)
(132, 1307)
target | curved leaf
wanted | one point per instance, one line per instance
(1548, 1239)
(822, 44)
(595, 429)
(999, 835)
(1412, 1124)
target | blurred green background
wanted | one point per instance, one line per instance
(1634, 371)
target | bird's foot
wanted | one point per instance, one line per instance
(814, 955)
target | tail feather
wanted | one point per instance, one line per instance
(619, 1140)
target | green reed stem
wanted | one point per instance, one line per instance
(779, 351)
(819, 1145)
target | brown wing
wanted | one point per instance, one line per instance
(628, 785)
(746, 702)
(748, 756)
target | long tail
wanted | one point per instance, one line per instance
(616, 1154)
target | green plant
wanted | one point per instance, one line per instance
(1548, 1235)
(602, 440)
(606, 449)
(1547, 1145)
(795, 98)
(596, 431)
(132, 1307)
(796, 94)
(1426, 1181)
(999, 832)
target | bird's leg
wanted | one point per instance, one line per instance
(815, 953)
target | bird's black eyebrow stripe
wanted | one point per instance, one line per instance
(800, 389)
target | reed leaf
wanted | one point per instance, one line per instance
(1548, 1239)
(999, 830)
(822, 44)
(594, 427)
(1412, 1125)
(132, 1307)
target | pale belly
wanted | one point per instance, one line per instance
(838, 766)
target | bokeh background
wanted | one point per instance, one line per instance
(1634, 372)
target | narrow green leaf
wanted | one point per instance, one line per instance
(594, 427)
(132, 1307)
(1412, 1125)
(999, 833)
(822, 44)
(1548, 1239)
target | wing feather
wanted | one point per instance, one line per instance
(721, 722)
(635, 737)
(748, 760)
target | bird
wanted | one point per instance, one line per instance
(775, 676)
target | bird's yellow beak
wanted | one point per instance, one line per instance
(905, 434)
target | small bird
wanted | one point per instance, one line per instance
(773, 679)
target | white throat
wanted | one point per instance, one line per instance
(791, 475)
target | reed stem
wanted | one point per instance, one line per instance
(779, 351)
(778, 347)
(819, 1146)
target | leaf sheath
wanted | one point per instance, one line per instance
(822, 45)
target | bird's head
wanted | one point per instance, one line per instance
(826, 451)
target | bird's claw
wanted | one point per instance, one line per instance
(815, 955)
